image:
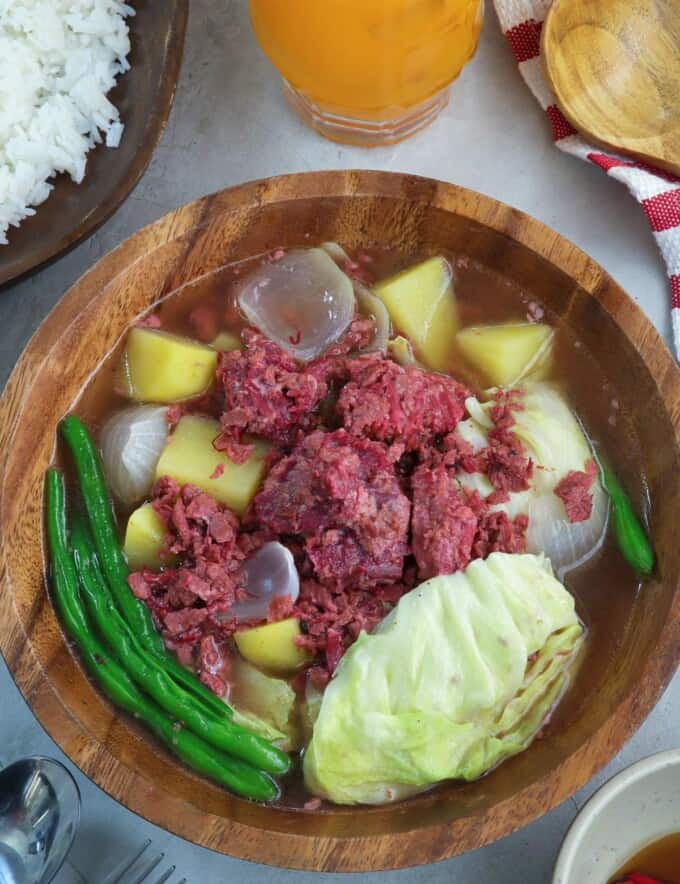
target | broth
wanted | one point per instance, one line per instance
(661, 859)
(605, 588)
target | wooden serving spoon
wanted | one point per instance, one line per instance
(614, 66)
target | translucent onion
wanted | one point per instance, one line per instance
(270, 572)
(131, 442)
(369, 304)
(303, 302)
(567, 544)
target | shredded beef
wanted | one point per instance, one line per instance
(442, 527)
(343, 497)
(574, 492)
(267, 393)
(390, 403)
(504, 460)
(332, 618)
(496, 532)
(190, 601)
(280, 607)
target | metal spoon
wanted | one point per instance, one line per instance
(39, 815)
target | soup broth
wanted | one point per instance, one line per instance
(660, 859)
(604, 587)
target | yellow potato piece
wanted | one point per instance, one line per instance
(272, 646)
(422, 305)
(506, 354)
(226, 341)
(161, 367)
(190, 458)
(144, 538)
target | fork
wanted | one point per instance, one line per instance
(140, 869)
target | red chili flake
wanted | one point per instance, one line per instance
(296, 338)
(218, 471)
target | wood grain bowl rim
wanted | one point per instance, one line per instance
(153, 132)
(335, 853)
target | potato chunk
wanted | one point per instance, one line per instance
(506, 354)
(190, 458)
(161, 367)
(144, 538)
(422, 305)
(272, 646)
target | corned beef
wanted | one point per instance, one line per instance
(342, 495)
(390, 403)
(442, 527)
(269, 393)
(190, 601)
(331, 618)
(574, 492)
(504, 460)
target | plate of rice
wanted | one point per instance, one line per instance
(86, 87)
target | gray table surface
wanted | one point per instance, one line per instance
(229, 125)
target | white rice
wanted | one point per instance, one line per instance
(58, 60)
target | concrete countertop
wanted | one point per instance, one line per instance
(230, 125)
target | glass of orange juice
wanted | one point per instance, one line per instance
(367, 71)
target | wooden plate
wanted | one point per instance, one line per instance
(605, 707)
(144, 97)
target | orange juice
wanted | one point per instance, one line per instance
(378, 66)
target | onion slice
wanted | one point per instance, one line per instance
(131, 443)
(567, 544)
(369, 304)
(270, 572)
(303, 302)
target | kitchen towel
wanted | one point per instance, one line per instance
(658, 192)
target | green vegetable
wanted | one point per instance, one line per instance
(145, 670)
(630, 536)
(115, 682)
(458, 677)
(100, 517)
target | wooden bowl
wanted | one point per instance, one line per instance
(144, 97)
(605, 706)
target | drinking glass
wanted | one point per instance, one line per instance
(367, 71)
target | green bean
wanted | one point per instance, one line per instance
(116, 683)
(100, 517)
(630, 535)
(150, 676)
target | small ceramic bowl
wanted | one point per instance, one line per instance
(635, 808)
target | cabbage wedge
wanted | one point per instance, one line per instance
(458, 677)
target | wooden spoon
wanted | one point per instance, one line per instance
(614, 66)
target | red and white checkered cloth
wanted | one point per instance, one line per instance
(657, 192)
